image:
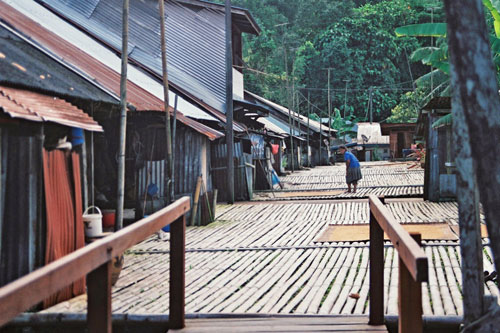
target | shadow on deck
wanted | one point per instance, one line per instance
(282, 324)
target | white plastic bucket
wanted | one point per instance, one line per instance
(92, 223)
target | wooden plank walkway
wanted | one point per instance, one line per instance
(281, 324)
(261, 258)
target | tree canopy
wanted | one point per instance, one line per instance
(355, 39)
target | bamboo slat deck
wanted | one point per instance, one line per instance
(379, 178)
(261, 258)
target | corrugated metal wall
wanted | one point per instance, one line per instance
(219, 166)
(153, 172)
(21, 219)
(188, 163)
(64, 222)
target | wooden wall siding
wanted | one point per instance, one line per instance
(393, 141)
(432, 160)
(22, 245)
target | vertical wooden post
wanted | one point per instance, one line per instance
(229, 103)
(99, 299)
(177, 273)
(376, 272)
(432, 160)
(308, 128)
(409, 298)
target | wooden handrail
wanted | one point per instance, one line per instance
(413, 268)
(409, 251)
(95, 260)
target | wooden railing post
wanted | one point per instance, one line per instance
(376, 272)
(177, 273)
(99, 299)
(409, 298)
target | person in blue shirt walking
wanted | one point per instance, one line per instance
(353, 169)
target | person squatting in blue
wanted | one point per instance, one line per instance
(353, 169)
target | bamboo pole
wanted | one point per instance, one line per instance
(196, 199)
(174, 130)
(169, 160)
(123, 120)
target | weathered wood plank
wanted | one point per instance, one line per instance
(99, 299)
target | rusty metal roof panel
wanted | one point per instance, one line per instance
(38, 107)
(210, 133)
(24, 66)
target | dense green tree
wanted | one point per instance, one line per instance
(363, 49)
(353, 37)
(407, 109)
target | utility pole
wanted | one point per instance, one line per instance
(345, 103)
(329, 103)
(229, 104)
(123, 120)
(168, 188)
(370, 104)
(329, 116)
(319, 148)
(432, 44)
(345, 97)
(290, 102)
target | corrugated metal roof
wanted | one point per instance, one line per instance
(313, 124)
(205, 130)
(438, 103)
(269, 125)
(86, 64)
(195, 40)
(284, 126)
(37, 107)
(241, 16)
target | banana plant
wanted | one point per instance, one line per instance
(437, 56)
(344, 126)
